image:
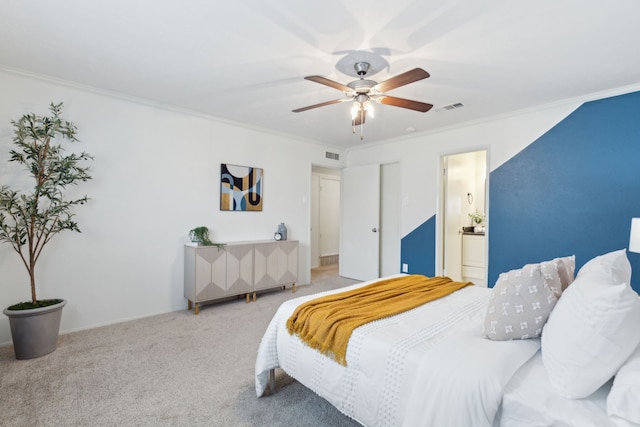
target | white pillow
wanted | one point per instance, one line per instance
(614, 265)
(593, 328)
(623, 400)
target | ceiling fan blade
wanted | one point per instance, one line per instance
(401, 80)
(330, 83)
(423, 107)
(322, 104)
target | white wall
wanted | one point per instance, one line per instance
(420, 155)
(156, 176)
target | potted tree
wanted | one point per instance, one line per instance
(30, 219)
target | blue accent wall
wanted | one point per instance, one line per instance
(418, 249)
(572, 191)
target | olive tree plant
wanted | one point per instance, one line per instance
(30, 219)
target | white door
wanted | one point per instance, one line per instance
(454, 181)
(360, 219)
(390, 202)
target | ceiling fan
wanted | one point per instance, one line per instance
(362, 91)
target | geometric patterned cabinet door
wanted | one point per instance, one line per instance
(276, 264)
(287, 262)
(266, 266)
(211, 273)
(239, 268)
(210, 264)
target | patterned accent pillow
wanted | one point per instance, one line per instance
(551, 274)
(559, 273)
(520, 303)
(566, 270)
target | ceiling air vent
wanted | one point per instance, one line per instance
(450, 106)
(334, 156)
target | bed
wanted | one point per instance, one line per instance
(437, 364)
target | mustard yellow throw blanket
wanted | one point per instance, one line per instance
(326, 323)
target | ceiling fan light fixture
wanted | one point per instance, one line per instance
(355, 109)
(361, 104)
(368, 107)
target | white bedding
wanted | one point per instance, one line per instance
(530, 396)
(427, 366)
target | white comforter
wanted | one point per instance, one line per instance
(428, 366)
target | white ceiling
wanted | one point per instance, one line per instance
(244, 60)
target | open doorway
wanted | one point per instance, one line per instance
(464, 196)
(325, 222)
(327, 211)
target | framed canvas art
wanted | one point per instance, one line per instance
(240, 188)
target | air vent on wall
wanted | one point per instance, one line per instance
(334, 156)
(450, 107)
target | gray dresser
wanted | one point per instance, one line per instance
(240, 268)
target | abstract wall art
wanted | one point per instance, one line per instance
(240, 188)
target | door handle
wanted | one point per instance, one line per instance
(374, 229)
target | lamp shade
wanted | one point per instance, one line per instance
(634, 237)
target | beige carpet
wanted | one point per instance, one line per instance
(176, 369)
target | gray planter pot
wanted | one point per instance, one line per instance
(35, 332)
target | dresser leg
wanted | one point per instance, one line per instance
(247, 297)
(196, 309)
(293, 288)
(254, 296)
(189, 304)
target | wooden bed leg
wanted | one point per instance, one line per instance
(247, 297)
(272, 380)
(254, 296)
(196, 309)
(189, 304)
(293, 288)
